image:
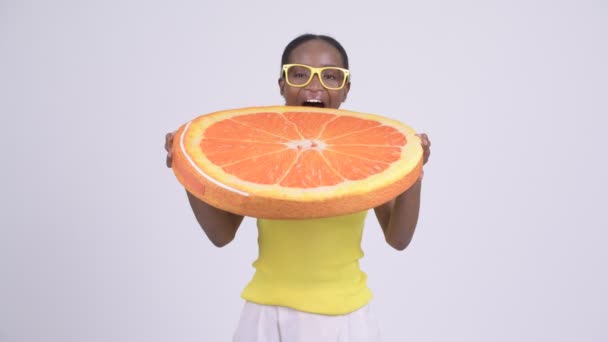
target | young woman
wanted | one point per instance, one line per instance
(308, 285)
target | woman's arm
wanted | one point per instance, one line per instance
(398, 218)
(220, 226)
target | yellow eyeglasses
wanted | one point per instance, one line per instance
(299, 75)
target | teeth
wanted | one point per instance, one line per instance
(313, 101)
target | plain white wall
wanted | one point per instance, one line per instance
(97, 241)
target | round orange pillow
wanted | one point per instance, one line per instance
(295, 162)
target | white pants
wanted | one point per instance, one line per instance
(264, 323)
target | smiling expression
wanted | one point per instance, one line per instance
(316, 53)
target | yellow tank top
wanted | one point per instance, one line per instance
(310, 265)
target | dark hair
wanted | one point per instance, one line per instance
(307, 37)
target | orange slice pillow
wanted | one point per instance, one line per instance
(295, 162)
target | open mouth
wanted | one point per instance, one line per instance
(314, 103)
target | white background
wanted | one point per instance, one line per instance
(98, 243)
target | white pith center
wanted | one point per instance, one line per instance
(306, 144)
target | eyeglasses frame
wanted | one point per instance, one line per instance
(315, 71)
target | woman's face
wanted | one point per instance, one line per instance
(316, 53)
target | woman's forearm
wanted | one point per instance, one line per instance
(220, 226)
(399, 217)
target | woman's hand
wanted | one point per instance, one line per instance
(426, 146)
(169, 147)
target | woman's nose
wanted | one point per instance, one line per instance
(315, 83)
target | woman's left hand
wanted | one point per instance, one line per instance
(426, 146)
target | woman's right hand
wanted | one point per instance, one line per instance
(169, 147)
